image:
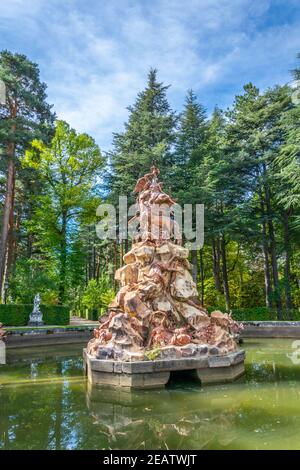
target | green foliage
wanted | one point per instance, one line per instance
(242, 164)
(68, 168)
(106, 298)
(98, 294)
(147, 139)
(153, 353)
(18, 314)
(258, 314)
(32, 276)
(25, 105)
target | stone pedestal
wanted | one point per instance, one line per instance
(35, 323)
(155, 374)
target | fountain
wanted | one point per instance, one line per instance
(155, 324)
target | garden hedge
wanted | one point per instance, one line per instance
(18, 315)
(258, 314)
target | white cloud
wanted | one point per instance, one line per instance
(95, 55)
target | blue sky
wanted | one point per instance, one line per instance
(95, 54)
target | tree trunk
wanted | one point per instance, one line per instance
(275, 271)
(13, 243)
(194, 260)
(273, 252)
(201, 268)
(94, 257)
(7, 219)
(97, 271)
(287, 265)
(225, 273)
(115, 263)
(121, 253)
(90, 254)
(63, 258)
(216, 263)
(268, 286)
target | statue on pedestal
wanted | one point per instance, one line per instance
(36, 316)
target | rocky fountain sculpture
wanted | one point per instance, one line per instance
(156, 324)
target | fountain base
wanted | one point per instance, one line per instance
(156, 374)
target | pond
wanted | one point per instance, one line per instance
(46, 403)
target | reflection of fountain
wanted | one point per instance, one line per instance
(33, 369)
(156, 314)
(150, 420)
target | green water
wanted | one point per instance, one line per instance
(46, 403)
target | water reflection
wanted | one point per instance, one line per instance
(46, 403)
(160, 420)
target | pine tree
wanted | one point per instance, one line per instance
(256, 136)
(24, 115)
(146, 140)
(190, 142)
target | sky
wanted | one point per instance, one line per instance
(94, 55)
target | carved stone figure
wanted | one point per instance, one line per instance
(157, 305)
(36, 316)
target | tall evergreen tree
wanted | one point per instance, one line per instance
(147, 138)
(190, 141)
(256, 135)
(24, 115)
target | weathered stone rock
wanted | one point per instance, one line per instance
(193, 316)
(144, 254)
(169, 352)
(133, 304)
(129, 257)
(213, 351)
(163, 304)
(180, 251)
(183, 287)
(202, 350)
(128, 274)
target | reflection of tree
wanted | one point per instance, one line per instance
(57, 409)
(37, 397)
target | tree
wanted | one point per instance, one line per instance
(256, 135)
(190, 141)
(69, 167)
(25, 115)
(287, 172)
(147, 139)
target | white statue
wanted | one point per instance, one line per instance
(36, 317)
